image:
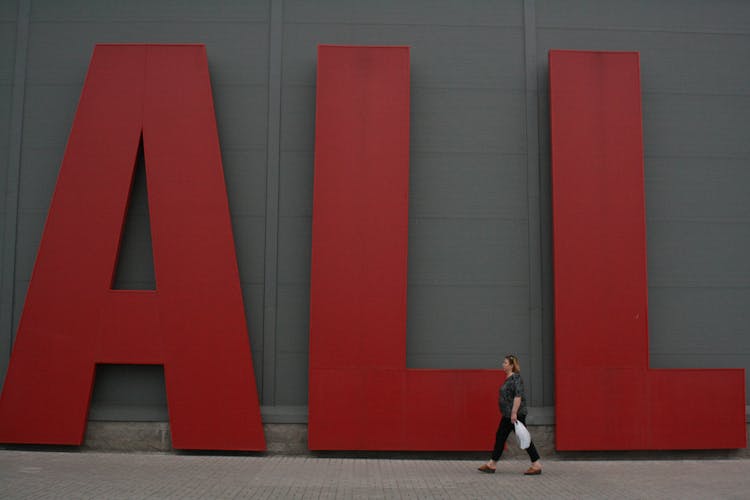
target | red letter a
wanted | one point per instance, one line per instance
(194, 322)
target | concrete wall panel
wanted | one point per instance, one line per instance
(480, 222)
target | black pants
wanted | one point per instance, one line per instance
(503, 431)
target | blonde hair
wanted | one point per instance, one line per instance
(514, 363)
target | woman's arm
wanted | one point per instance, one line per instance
(516, 406)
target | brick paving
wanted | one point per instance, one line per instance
(44, 474)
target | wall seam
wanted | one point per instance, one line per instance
(536, 358)
(7, 282)
(271, 254)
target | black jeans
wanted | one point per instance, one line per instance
(503, 431)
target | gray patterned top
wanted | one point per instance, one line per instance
(512, 388)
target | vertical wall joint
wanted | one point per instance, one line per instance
(270, 288)
(536, 358)
(8, 262)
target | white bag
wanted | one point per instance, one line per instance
(522, 434)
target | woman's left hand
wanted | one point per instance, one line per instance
(513, 418)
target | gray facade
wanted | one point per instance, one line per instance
(480, 277)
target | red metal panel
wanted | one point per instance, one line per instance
(361, 394)
(606, 396)
(194, 323)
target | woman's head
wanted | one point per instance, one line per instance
(511, 364)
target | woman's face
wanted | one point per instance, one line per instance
(506, 365)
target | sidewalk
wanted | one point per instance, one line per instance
(31, 474)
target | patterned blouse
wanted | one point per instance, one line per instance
(513, 387)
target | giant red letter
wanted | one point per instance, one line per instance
(362, 396)
(194, 322)
(606, 396)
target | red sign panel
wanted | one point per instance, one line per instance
(606, 396)
(361, 396)
(194, 322)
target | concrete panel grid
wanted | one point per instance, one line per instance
(695, 104)
(54, 78)
(466, 137)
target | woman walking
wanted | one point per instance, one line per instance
(513, 408)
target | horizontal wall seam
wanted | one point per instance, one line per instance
(538, 415)
(554, 27)
(169, 20)
(518, 27)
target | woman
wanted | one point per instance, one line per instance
(513, 408)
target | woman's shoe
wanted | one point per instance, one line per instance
(532, 472)
(486, 468)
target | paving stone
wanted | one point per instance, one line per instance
(44, 474)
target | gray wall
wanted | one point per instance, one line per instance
(695, 79)
(480, 282)
(8, 156)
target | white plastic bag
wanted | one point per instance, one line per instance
(522, 434)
